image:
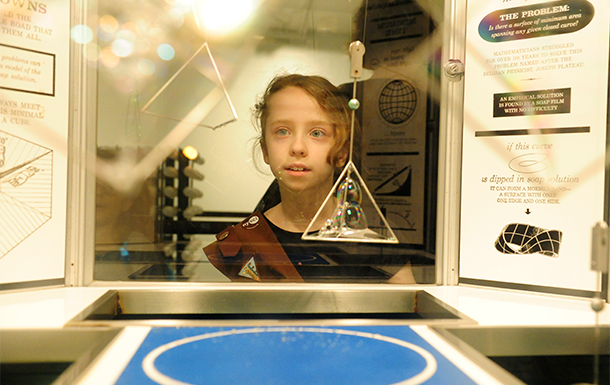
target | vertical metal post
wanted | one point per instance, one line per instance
(80, 221)
(450, 146)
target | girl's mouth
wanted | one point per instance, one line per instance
(296, 169)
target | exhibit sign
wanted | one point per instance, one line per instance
(34, 63)
(394, 113)
(534, 141)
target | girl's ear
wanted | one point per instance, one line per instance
(342, 158)
(264, 149)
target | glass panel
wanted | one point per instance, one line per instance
(182, 165)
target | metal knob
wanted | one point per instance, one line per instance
(454, 69)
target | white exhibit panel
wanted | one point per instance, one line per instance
(34, 62)
(533, 141)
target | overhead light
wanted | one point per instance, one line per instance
(221, 17)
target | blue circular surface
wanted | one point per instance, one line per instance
(289, 355)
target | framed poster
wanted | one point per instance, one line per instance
(34, 63)
(534, 141)
(394, 115)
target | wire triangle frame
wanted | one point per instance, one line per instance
(341, 227)
(219, 84)
(345, 234)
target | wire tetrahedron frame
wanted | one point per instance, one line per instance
(349, 222)
(215, 96)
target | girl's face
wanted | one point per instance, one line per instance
(298, 138)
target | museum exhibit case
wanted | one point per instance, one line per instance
(221, 77)
(280, 191)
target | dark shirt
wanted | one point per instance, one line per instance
(319, 261)
(298, 250)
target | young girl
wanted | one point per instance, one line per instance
(304, 124)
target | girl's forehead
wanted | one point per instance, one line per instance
(295, 102)
(294, 96)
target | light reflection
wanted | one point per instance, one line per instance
(126, 34)
(222, 16)
(142, 47)
(81, 34)
(143, 26)
(104, 36)
(146, 67)
(131, 27)
(121, 47)
(174, 17)
(156, 33)
(108, 24)
(166, 51)
(184, 3)
(93, 52)
(108, 58)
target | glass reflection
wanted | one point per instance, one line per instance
(138, 46)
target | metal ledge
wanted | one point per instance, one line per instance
(196, 307)
(39, 347)
(533, 341)
(556, 354)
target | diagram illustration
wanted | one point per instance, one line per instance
(399, 184)
(397, 101)
(520, 238)
(26, 177)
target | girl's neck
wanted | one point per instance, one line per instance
(296, 211)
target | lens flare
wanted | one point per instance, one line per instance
(103, 35)
(131, 27)
(93, 52)
(121, 47)
(146, 67)
(108, 24)
(223, 16)
(108, 58)
(126, 34)
(166, 51)
(81, 34)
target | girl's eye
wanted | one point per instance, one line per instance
(282, 132)
(317, 133)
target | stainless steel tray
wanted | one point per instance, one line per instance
(45, 355)
(154, 307)
(536, 354)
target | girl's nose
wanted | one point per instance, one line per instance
(298, 146)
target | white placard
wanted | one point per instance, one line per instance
(28, 71)
(536, 86)
(34, 63)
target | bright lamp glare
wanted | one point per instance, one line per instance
(190, 152)
(223, 16)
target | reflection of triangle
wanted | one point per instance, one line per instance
(249, 270)
(375, 229)
(200, 79)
